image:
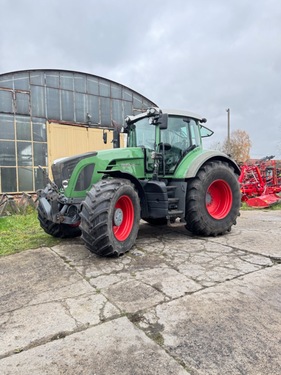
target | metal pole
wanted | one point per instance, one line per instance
(228, 130)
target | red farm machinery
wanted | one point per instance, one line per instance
(261, 182)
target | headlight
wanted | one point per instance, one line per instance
(65, 184)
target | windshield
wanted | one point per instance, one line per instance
(144, 134)
(182, 133)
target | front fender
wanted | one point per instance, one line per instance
(138, 185)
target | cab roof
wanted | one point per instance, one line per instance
(178, 112)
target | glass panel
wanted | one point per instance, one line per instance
(7, 130)
(23, 127)
(37, 78)
(7, 153)
(147, 104)
(8, 180)
(127, 94)
(115, 91)
(6, 101)
(53, 104)
(24, 153)
(144, 134)
(21, 81)
(104, 88)
(67, 105)
(105, 112)
(39, 130)
(7, 81)
(93, 109)
(22, 103)
(128, 110)
(177, 134)
(205, 132)
(79, 83)
(80, 108)
(117, 114)
(92, 85)
(66, 81)
(137, 101)
(52, 79)
(25, 179)
(194, 132)
(40, 154)
(39, 179)
(38, 101)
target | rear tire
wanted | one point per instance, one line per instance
(58, 230)
(213, 200)
(110, 217)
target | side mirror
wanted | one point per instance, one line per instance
(104, 136)
(205, 132)
(161, 120)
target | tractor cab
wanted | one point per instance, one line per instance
(165, 138)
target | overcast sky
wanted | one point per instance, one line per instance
(199, 55)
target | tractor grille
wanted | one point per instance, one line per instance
(62, 168)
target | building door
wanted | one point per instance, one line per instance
(68, 140)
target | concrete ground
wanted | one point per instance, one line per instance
(175, 304)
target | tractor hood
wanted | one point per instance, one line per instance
(75, 175)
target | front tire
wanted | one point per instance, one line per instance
(58, 230)
(213, 200)
(110, 217)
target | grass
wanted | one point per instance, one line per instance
(22, 232)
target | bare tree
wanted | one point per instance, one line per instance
(238, 146)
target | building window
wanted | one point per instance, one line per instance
(80, 107)
(7, 153)
(23, 128)
(29, 99)
(21, 81)
(22, 103)
(8, 179)
(6, 101)
(39, 130)
(67, 105)
(7, 129)
(66, 81)
(38, 101)
(52, 79)
(25, 179)
(53, 104)
(23, 146)
(80, 83)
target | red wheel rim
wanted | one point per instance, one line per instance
(123, 218)
(219, 199)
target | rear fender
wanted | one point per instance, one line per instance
(191, 166)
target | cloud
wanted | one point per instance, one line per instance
(201, 56)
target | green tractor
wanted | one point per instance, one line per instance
(161, 176)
